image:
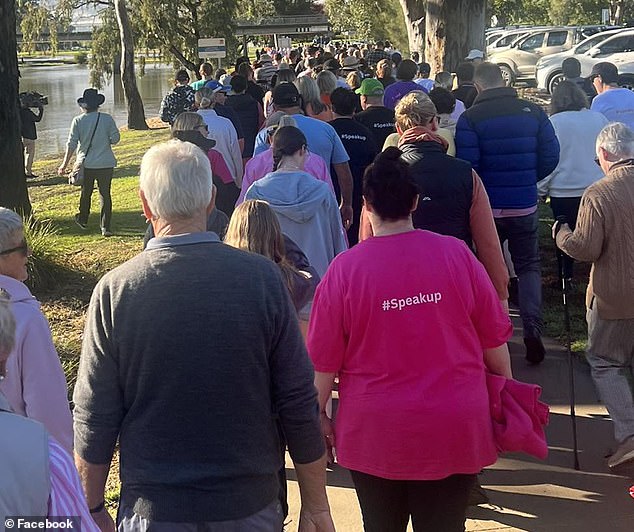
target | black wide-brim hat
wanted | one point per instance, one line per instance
(91, 98)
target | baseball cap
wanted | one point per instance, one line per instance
(286, 95)
(371, 87)
(216, 86)
(608, 72)
(475, 54)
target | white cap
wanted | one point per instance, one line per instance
(475, 54)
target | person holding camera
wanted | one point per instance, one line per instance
(28, 120)
(604, 236)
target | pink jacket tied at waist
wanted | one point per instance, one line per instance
(518, 416)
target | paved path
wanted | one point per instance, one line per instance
(527, 494)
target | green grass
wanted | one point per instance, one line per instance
(553, 310)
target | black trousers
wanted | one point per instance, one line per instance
(434, 505)
(103, 176)
(568, 207)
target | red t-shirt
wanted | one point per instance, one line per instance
(403, 320)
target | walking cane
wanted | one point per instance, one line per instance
(564, 285)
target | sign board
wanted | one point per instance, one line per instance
(284, 43)
(212, 48)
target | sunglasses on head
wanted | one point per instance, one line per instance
(22, 248)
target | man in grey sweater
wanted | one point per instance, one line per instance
(191, 356)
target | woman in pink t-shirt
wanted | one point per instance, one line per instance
(404, 319)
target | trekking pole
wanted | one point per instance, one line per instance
(564, 286)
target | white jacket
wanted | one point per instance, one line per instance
(577, 133)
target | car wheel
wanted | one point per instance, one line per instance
(555, 80)
(626, 81)
(507, 74)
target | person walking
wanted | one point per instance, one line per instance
(250, 113)
(306, 208)
(189, 380)
(577, 129)
(466, 91)
(512, 145)
(28, 119)
(179, 100)
(38, 474)
(322, 140)
(92, 135)
(402, 420)
(405, 74)
(221, 130)
(614, 101)
(360, 146)
(34, 384)
(375, 116)
(604, 236)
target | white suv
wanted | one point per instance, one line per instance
(616, 46)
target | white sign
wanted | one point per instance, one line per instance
(284, 43)
(212, 48)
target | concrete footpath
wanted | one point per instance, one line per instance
(526, 494)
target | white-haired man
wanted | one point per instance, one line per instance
(604, 235)
(192, 354)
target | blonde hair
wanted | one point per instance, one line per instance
(187, 121)
(326, 81)
(354, 80)
(254, 227)
(414, 109)
(309, 91)
(204, 98)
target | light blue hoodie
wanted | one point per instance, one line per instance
(307, 211)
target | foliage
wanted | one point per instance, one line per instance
(106, 47)
(44, 264)
(562, 12)
(34, 19)
(369, 20)
(176, 25)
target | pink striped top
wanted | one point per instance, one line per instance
(67, 497)
(262, 164)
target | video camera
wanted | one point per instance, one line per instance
(33, 99)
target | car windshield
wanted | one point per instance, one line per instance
(592, 42)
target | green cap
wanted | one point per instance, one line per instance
(371, 87)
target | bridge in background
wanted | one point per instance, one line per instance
(78, 37)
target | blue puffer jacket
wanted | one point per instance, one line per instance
(511, 143)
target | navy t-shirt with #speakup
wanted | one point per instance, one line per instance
(380, 121)
(362, 149)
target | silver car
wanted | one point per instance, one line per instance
(518, 62)
(615, 46)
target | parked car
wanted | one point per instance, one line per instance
(518, 62)
(505, 40)
(615, 46)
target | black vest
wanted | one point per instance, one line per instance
(446, 190)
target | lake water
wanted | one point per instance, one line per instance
(63, 84)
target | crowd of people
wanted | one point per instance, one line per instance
(318, 219)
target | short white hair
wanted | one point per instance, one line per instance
(176, 180)
(10, 224)
(618, 140)
(7, 325)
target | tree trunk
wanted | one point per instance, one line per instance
(136, 114)
(453, 27)
(414, 13)
(13, 191)
(616, 12)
